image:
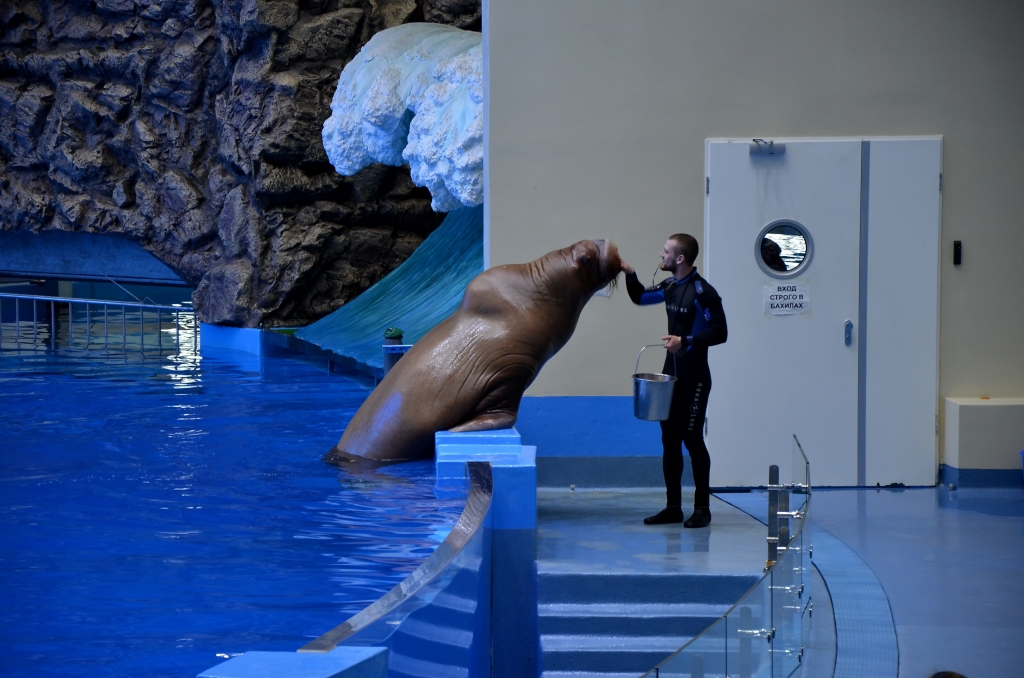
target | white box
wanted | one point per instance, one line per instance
(984, 433)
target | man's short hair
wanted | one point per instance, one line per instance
(686, 245)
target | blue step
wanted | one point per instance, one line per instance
(643, 619)
(607, 625)
(616, 653)
(709, 589)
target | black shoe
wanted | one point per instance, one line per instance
(670, 514)
(701, 517)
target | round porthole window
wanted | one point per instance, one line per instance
(783, 248)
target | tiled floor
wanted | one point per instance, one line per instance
(603, 531)
(952, 565)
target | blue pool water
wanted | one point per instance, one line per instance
(160, 514)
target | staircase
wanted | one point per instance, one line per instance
(614, 625)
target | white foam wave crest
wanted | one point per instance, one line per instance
(414, 94)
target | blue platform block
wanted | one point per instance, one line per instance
(244, 339)
(453, 450)
(512, 523)
(514, 502)
(343, 662)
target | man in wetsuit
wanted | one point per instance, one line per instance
(695, 322)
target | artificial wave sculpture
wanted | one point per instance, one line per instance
(414, 94)
(424, 290)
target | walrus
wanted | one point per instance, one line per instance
(469, 372)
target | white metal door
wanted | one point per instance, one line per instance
(900, 386)
(783, 374)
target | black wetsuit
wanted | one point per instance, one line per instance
(695, 315)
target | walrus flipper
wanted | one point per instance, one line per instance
(499, 408)
(488, 421)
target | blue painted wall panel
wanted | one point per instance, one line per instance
(515, 638)
(587, 426)
(244, 339)
(980, 477)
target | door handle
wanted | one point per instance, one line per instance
(849, 333)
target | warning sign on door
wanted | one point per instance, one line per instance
(785, 299)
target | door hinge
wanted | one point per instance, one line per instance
(766, 147)
(940, 182)
(707, 185)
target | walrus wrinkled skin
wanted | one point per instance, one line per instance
(469, 372)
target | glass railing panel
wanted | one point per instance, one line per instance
(801, 500)
(788, 594)
(749, 633)
(801, 476)
(704, 657)
(765, 633)
(807, 601)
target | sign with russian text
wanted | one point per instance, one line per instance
(786, 299)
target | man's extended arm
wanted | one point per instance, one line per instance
(640, 295)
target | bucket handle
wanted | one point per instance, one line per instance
(637, 370)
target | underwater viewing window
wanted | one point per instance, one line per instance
(783, 248)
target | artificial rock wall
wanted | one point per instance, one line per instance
(194, 128)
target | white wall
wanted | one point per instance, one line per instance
(598, 112)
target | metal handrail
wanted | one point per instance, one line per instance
(176, 312)
(102, 302)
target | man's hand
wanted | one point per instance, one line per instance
(673, 343)
(626, 268)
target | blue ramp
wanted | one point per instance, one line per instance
(416, 296)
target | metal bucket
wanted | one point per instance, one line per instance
(652, 393)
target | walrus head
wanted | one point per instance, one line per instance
(599, 261)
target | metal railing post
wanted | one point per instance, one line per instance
(783, 517)
(773, 515)
(53, 324)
